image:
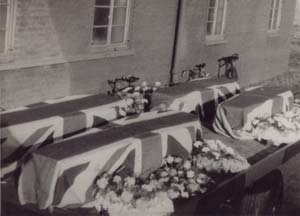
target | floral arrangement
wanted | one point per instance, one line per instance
(137, 99)
(175, 178)
(278, 128)
(215, 157)
(115, 194)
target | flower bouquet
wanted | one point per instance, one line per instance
(137, 99)
(131, 196)
(278, 128)
(215, 157)
(181, 178)
(175, 178)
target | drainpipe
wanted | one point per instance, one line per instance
(173, 61)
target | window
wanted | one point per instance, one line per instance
(111, 21)
(216, 19)
(6, 26)
(275, 15)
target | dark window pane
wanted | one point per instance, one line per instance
(102, 2)
(117, 34)
(3, 15)
(2, 41)
(209, 28)
(122, 3)
(211, 13)
(212, 3)
(101, 16)
(100, 35)
(119, 16)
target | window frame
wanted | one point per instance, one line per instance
(271, 17)
(109, 45)
(216, 37)
(9, 31)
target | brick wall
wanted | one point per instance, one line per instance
(262, 56)
(58, 31)
(291, 78)
(35, 35)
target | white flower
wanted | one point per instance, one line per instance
(144, 84)
(148, 187)
(180, 172)
(197, 144)
(216, 154)
(205, 149)
(126, 196)
(177, 159)
(126, 89)
(164, 174)
(155, 184)
(136, 94)
(117, 179)
(201, 178)
(193, 187)
(173, 194)
(129, 181)
(175, 179)
(164, 179)
(146, 88)
(173, 172)
(190, 174)
(102, 183)
(152, 176)
(157, 84)
(187, 165)
(185, 194)
(170, 159)
(137, 88)
(179, 187)
(129, 101)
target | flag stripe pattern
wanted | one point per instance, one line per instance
(138, 145)
(31, 126)
(200, 96)
(68, 116)
(234, 117)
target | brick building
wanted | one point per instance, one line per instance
(54, 48)
(297, 15)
